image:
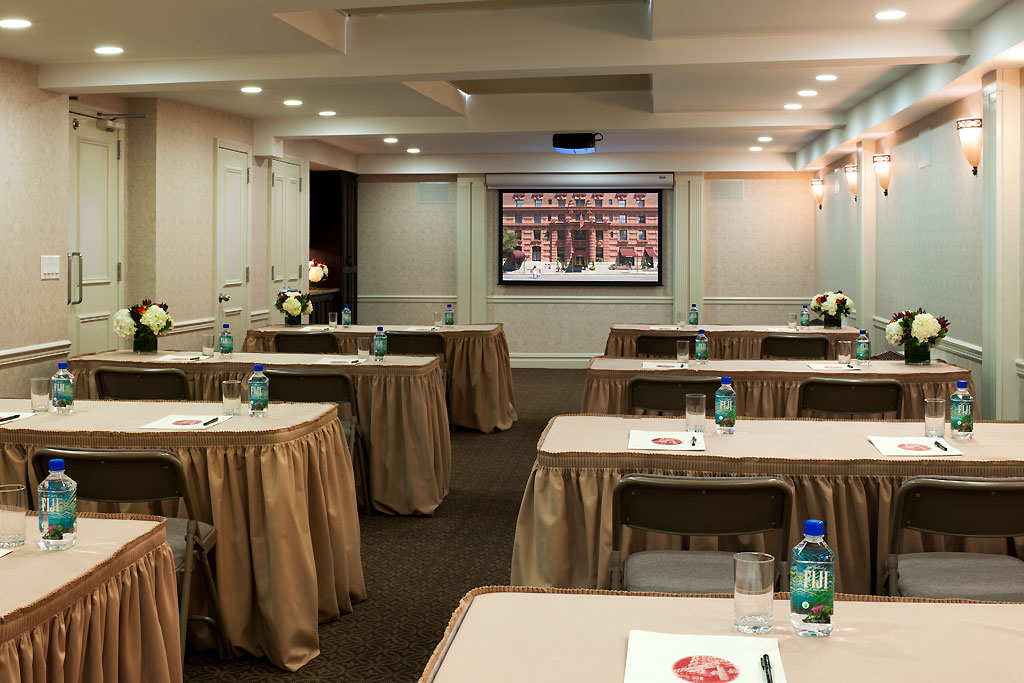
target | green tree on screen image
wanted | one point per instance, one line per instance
(509, 241)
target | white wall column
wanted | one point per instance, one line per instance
(471, 260)
(867, 216)
(685, 243)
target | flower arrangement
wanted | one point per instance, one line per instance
(832, 303)
(293, 304)
(317, 271)
(916, 331)
(143, 323)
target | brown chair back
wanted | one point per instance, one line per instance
(416, 344)
(661, 345)
(850, 395)
(803, 346)
(668, 394)
(312, 386)
(305, 342)
(141, 384)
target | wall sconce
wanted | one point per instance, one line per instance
(851, 179)
(881, 162)
(818, 188)
(969, 131)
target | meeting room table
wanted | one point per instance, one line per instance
(769, 388)
(477, 360)
(564, 530)
(509, 634)
(400, 402)
(105, 609)
(725, 342)
(279, 490)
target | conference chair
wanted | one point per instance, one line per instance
(967, 508)
(802, 346)
(138, 476)
(304, 342)
(695, 506)
(668, 394)
(328, 386)
(853, 396)
(661, 345)
(142, 384)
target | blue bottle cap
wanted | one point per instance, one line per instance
(225, 326)
(805, 305)
(449, 305)
(700, 331)
(257, 368)
(863, 331)
(960, 383)
(346, 305)
(62, 365)
(380, 329)
(693, 305)
(814, 527)
(727, 380)
(56, 464)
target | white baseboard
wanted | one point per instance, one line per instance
(36, 353)
(951, 345)
(561, 361)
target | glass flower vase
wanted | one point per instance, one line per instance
(292, 319)
(144, 343)
(832, 322)
(917, 354)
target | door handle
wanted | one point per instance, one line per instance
(299, 275)
(69, 278)
(81, 291)
(223, 297)
(271, 272)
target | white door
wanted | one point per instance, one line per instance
(231, 243)
(95, 237)
(289, 241)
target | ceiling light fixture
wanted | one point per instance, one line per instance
(15, 23)
(252, 89)
(413, 150)
(851, 179)
(969, 131)
(792, 106)
(328, 112)
(755, 148)
(818, 188)
(765, 138)
(807, 93)
(391, 141)
(882, 168)
(890, 14)
(826, 77)
(292, 103)
(108, 50)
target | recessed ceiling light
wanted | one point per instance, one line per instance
(890, 14)
(252, 89)
(413, 150)
(109, 50)
(292, 103)
(15, 23)
(391, 141)
(826, 77)
(792, 105)
(328, 112)
(755, 148)
(765, 138)
(807, 93)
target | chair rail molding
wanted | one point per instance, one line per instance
(194, 325)
(35, 353)
(406, 298)
(579, 299)
(756, 300)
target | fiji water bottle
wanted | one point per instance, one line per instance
(449, 316)
(227, 343)
(58, 509)
(346, 316)
(725, 407)
(863, 345)
(380, 342)
(63, 389)
(805, 316)
(694, 315)
(961, 412)
(259, 392)
(700, 347)
(812, 582)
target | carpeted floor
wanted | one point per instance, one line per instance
(417, 569)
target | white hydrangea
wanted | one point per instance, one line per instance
(894, 333)
(155, 318)
(925, 327)
(292, 306)
(316, 274)
(124, 326)
(309, 307)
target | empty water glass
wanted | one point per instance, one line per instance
(231, 396)
(437, 318)
(695, 407)
(39, 394)
(935, 417)
(332, 320)
(209, 345)
(844, 349)
(754, 586)
(363, 347)
(683, 351)
(793, 322)
(13, 499)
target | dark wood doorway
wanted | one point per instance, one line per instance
(332, 239)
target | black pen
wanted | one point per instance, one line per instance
(766, 665)
(196, 358)
(210, 422)
(9, 417)
(693, 441)
(941, 446)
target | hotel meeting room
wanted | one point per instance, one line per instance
(511, 340)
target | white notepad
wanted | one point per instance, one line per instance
(179, 357)
(341, 360)
(315, 328)
(640, 440)
(422, 328)
(186, 422)
(661, 365)
(664, 327)
(21, 416)
(669, 658)
(833, 366)
(912, 446)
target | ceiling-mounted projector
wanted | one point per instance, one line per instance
(576, 143)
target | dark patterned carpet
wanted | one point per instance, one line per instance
(417, 569)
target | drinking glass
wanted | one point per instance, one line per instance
(363, 347)
(793, 323)
(332, 320)
(13, 499)
(935, 417)
(695, 412)
(231, 395)
(754, 575)
(683, 351)
(437, 318)
(844, 350)
(209, 345)
(39, 391)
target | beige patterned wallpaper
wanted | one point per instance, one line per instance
(1020, 355)
(140, 203)
(837, 239)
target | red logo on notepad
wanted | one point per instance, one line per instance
(185, 423)
(705, 669)
(666, 441)
(913, 447)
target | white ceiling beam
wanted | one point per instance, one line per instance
(327, 26)
(442, 92)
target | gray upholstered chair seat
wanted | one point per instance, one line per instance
(679, 571)
(971, 576)
(177, 527)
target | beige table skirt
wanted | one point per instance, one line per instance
(725, 342)
(401, 412)
(770, 388)
(117, 619)
(564, 530)
(479, 369)
(281, 497)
